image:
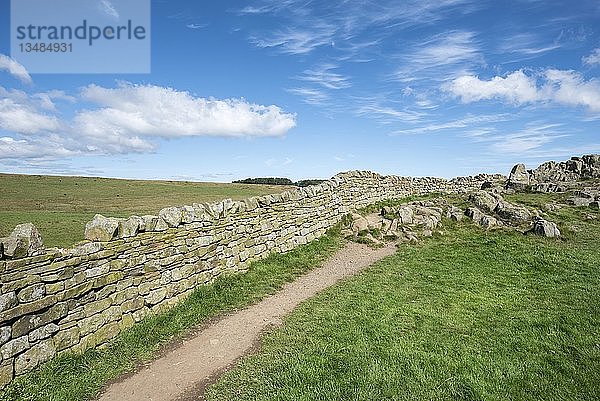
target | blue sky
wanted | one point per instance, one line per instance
(306, 89)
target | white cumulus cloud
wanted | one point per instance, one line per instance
(20, 114)
(516, 87)
(125, 119)
(15, 69)
(564, 87)
(147, 110)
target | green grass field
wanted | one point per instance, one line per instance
(470, 315)
(60, 206)
(467, 315)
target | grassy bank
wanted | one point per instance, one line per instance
(465, 316)
(60, 206)
(80, 377)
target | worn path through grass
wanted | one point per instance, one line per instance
(184, 371)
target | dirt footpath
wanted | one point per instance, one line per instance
(183, 372)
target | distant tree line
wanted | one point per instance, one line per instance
(278, 181)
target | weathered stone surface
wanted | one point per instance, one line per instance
(474, 214)
(545, 228)
(101, 228)
(13, 347)
(96, 307)
(89, 248)
(484, 201)
(576, 201)
(6, 373)
(359, 223)
(519, 176)
(129, 227)
(405, 214)
(33, 357)
(43, 332)
(595, 205)
(8, 300)
(28, 323)
(488, 221)
(188, 214)
(512, 212)
(374, 221)
(161, 225)
(66, 338)
(32, 293)
(103, 334)
(454, 213)
(5, 333)
(25, 240)
(171, 216)
(156, 296)
(148, 223)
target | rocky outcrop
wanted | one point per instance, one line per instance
(485, 201)
(519, 177)
(552, 176)
(511, 212)
(406, 222)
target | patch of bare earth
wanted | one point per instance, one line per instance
(183, 372)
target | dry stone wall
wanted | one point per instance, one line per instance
(69, 300)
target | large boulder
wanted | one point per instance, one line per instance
(488, 222)
(374, 221)
(406, 215)
(484, 201)
(519, 176)
(545, 228)
(455, 213)
(474, 214)
(101, 228)
(576, 201)
(514, 213)
(25, 240)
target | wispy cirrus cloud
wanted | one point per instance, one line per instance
(306, 26)
(527, 44)
(324, 76)
(593, 59)
(441, 57)
(196, 26)
(532, 137)
(385, 113)
(109, 9)
(298, 40)
(469, 122)
(310, 95)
